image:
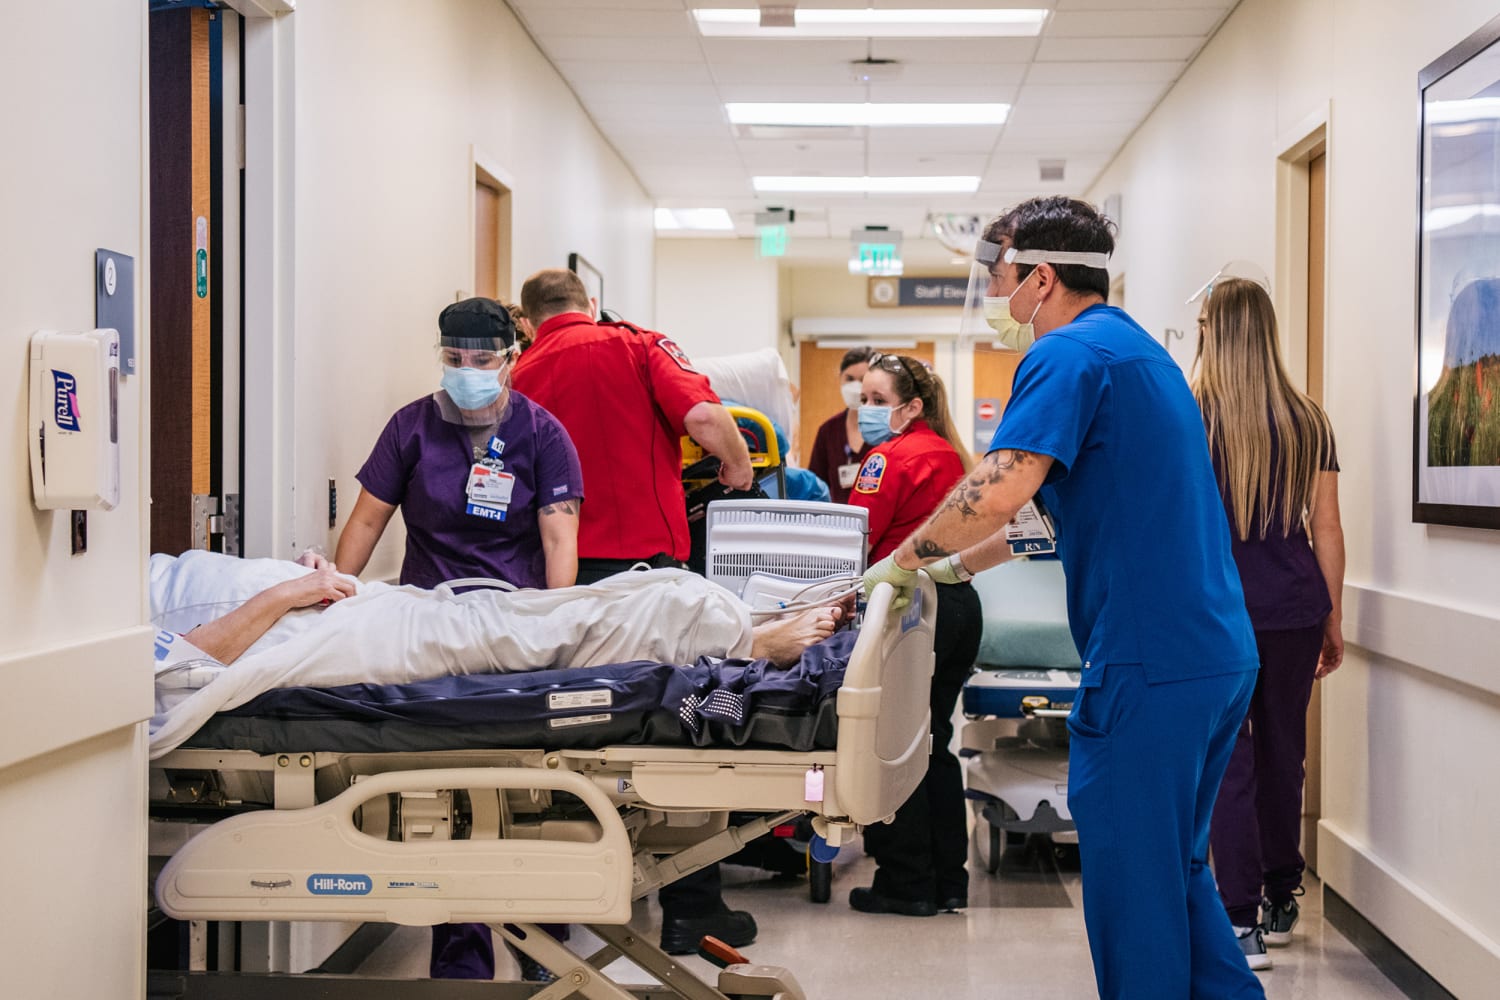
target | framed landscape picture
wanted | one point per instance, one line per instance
(1456, 454)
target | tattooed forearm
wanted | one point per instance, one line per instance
(997, 463)
(566, 507)
(963, 498)
(927, 549)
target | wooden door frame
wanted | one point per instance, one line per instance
(487, 170)
(1296, 151)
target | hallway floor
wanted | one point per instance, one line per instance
(1022, 936)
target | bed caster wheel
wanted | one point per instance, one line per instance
(997, 845)
(819, 881)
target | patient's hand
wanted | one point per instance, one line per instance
(322, 586)
(315, 559)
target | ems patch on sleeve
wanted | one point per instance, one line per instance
(870, 475)
(677, 354)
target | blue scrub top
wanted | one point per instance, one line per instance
(1141, 529)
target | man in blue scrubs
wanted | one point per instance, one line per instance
(1102, 428)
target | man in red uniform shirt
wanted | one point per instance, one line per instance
(626, 396)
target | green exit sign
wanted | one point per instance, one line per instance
(773, 241)
(876, 258)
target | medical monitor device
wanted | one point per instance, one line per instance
(74, 429)
(770, 552)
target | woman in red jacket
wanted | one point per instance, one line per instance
(917, 457)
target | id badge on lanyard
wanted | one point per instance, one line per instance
(489, 487)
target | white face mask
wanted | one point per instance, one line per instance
(1012, 332)
(851, 392)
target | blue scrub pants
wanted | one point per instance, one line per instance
(1145, 763)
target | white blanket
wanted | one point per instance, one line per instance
(391, 635)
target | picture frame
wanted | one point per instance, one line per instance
(591, 277)
(1456, 412)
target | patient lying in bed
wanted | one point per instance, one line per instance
(268, 618)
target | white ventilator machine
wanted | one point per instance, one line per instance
(774, 554)
(75, 425)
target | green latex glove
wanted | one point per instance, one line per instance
(886, 571)
(950, 570)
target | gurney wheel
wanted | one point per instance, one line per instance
(819, 881)
(997, 844)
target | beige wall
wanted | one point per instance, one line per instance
(716, 296)
(1412, 721)
(391, 97)
(74, 658)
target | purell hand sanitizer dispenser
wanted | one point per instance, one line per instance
(75, 425)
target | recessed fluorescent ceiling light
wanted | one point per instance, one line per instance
(871, 23)
(694, 218)
(806, 113)
(869, 185)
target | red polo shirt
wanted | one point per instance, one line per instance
(621, 394)
(901, 484)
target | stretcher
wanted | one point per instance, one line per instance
(1015, 742)
(514, 837)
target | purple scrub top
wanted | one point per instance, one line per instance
(1284, 588)
(421, 463)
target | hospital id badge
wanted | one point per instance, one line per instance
(489, 486)
(847, 474)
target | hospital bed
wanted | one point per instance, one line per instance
(1015, 742)
(516, 836)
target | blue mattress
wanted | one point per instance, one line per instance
(999, 692)
(743, 703)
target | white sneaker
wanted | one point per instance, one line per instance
(1253, 944)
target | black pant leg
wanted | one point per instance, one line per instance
(700, 894)
(960, 620)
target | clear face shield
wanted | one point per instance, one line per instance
(1234, 269)
(475, 386)
(990, 317)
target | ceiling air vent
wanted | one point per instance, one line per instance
(1051, 170)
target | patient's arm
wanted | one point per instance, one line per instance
(366, 524)
(226, 638)
(559, 525)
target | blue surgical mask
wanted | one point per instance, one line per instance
(875, 424)
(471, 388)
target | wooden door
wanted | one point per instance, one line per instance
(994, 370)
(1317, 229)
(486, 240)
(819, 385)
(182, 423)
(492, 236)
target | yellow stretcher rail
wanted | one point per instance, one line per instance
(765, 460)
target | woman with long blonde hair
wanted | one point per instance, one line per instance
(1273, 452)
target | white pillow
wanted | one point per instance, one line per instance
(198, 587)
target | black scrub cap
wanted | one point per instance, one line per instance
(476, 324)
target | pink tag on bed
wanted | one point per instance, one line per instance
(813, 786)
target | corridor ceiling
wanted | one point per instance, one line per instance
(657, 88)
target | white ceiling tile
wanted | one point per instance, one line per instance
(1054, 95)
(774, 90)
(580, 48)
(977, 75)
(769, 56)
(1028, 116)
(828, 73)
(916, 163)
(583, 72)
(1133, 24)
(1077, 143)
(1117, 49)
(647, 95)
(1076, 73)
(935, 139)
(962, 93)
(982, 51)
(547, 22)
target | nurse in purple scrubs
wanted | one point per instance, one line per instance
(487, 481)
(489, 485)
